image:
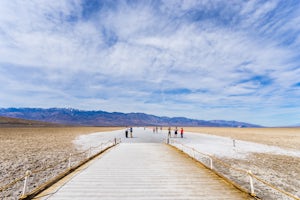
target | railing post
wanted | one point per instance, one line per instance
(69, 164)
(90, 151)
(194, 153)
(210, 162)
(115, 141)
(251, 183)
(27, 174)
(233, 143)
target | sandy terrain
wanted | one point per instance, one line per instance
(24, 149)
(281, 137)
(283, 171)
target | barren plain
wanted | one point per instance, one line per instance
(281, 137)
(282, 171)
(23, 149)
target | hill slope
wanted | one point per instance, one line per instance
(14, 122)
(102, 118)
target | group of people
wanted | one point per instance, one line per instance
(155, 129)
(128, 130)
(175, 132)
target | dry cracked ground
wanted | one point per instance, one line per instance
(24, 149)
(282, 171)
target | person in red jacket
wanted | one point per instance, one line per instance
(181, 132)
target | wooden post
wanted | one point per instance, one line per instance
(251, 183)
(90, 152)
(27, 174)
(210, 162)
(69, 164)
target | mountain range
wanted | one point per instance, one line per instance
(69, 116)
(14, 122)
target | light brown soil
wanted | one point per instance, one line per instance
(24, 149)
(281, 137)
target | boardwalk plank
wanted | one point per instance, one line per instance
(145, 171)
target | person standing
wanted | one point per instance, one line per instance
(169, 132)
(181, 132)
(131, 132)
(175, 132)
(126, 132)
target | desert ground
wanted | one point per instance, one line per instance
(28, 148)
(281, 137)
(24, 149)
(283, 171)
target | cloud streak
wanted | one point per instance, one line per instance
(200, 59)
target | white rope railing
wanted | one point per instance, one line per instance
(71, 162)
(192, 152)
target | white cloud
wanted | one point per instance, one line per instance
(135, 53)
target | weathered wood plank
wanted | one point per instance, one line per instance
(145, 171)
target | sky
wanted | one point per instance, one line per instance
(231, 60)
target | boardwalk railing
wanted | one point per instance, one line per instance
(244, 180)
(31, 184)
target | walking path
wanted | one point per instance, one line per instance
(144, 171)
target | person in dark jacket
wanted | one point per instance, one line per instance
(169, 132)
(126, 132)
(131, 132)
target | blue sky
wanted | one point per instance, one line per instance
(232, 60)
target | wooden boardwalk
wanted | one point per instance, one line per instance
(143, 171)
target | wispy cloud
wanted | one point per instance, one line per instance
(201, 59)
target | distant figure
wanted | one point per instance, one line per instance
(169, 131)
(156, 129)
(126, 133)
(161, 129)
(131, 132)
(153, 129)
(176, 131)
(181, 132)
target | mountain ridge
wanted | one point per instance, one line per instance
(17, 122)
(70, 116)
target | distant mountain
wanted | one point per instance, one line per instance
(102, 118)
(292, 126)
(14, 122)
